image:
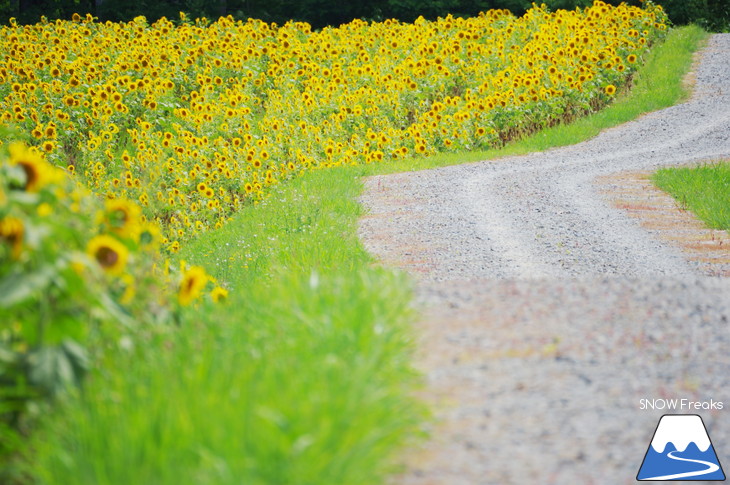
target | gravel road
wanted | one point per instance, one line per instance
(548, 313)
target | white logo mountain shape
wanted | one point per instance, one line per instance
(680, 430)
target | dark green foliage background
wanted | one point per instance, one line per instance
(710, 14)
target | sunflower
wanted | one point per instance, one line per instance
(219, 294)
(610, 89)
(109, 253)
(123, 217)
(193, 282)
(150, 236)
(38, 172)
(12, 230)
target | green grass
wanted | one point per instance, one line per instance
(705, 190)
(306, 224)
(304, 376)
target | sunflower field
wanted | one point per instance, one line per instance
(192, 119)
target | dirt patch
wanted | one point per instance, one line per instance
(662, 215)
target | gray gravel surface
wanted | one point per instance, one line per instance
(548, 313)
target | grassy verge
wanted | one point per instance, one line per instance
(705, 190)
(304, 376)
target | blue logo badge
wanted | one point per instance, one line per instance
(681, 450)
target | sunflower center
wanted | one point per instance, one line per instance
(189, 284)
(121, 216)
(107, 257)
(31, 174)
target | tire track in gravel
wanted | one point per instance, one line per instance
(549, 313)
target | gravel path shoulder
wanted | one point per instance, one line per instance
(549, 312)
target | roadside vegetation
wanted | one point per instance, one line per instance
(302, 376)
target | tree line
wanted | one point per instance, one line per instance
(711, 14)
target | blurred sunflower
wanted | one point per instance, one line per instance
(111, 254)
(12, 230)
(38, 172)
(219, 294)
(124, 218)
(193, 282)
(150, 236)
